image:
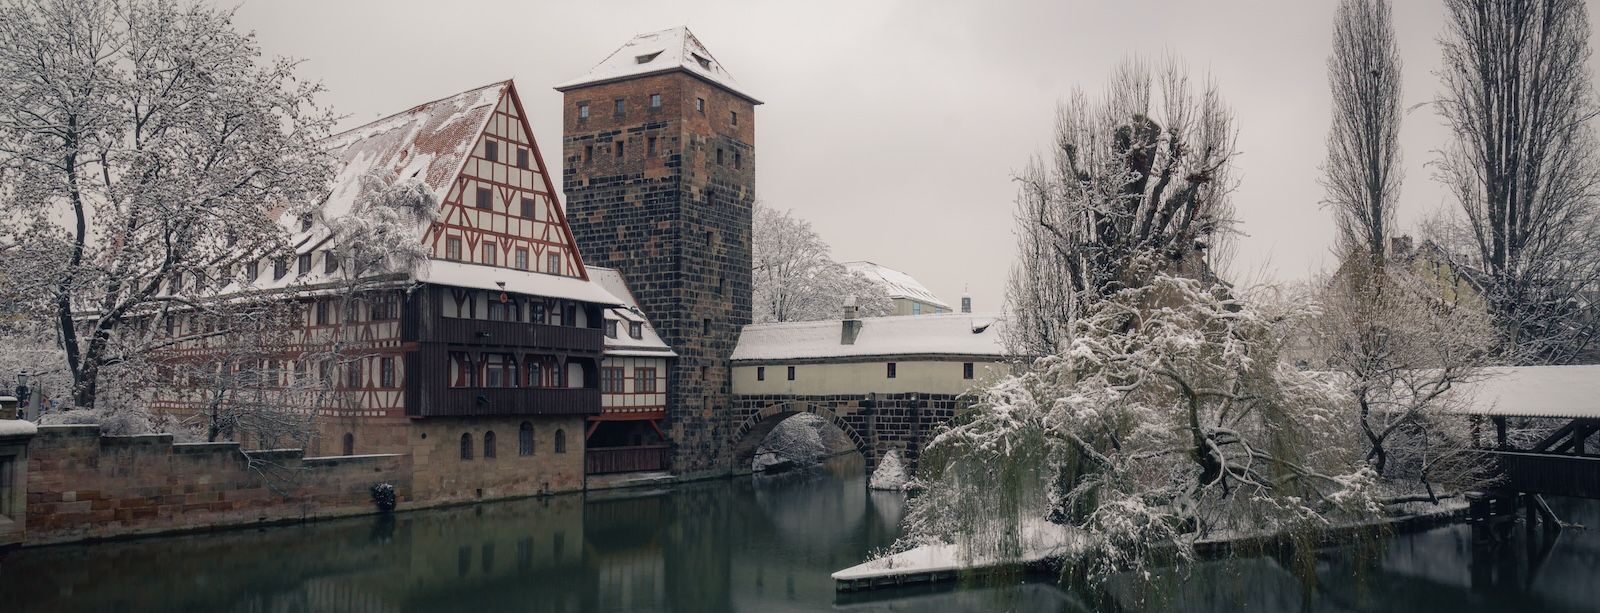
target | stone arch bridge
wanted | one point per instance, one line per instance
(874, 424)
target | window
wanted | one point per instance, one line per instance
(488, 445)
(491, 150)
(452, 248)
(966, 370)
(349, 444)
(583, 110)
(386, 372)
(650, 144)
(719, 156)
(352, 375)
(303, 264)
(489, 254)
(525, 439)
(655, 101)
(522, 157)
(522, 259)
(280, 267)
(466, 446)
(761, 373)
(325, 373)
(322, 313)
(620, 106)
(561, 441)
(611, 380)
(644, 380)
(485, 198)
(611, 328)
(700, 105)
(536, 312)
(588, 153)
(527, 207)
(891, 370)
(916, 308)
(305, 222)
(733, 118)
(384, 307)
(791, 373)
(502, 310)
(621, 148)
(330, 263)
(251, 271)
(554, 264)
(499, 370)
(738, 160)
(635, 329)
(705, 326)
(711, 238)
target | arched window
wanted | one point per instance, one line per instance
(561, 441)
(488, 444)
(466, 446)
(349, 444)
(525, 439)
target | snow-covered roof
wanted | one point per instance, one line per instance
(478, 276)
(947, 334)
(1535, 391)
(657, 52)
(17, 427)
(899, 284)
(651, 344)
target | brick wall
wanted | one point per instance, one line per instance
(83, 486)
(677, 223)
(894, 421)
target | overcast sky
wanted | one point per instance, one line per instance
(896, 127)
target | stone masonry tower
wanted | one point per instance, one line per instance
(659, 150)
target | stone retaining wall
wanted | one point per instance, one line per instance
(82, 485)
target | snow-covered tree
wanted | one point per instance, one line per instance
(1171, 416)
(143, 144)
(795, 279)
(1138, 185)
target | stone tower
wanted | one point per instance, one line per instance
(659, 150)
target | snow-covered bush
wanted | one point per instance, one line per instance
(1169, 417)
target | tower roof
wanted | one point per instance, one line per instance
(674, 49)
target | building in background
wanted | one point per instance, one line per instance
(659, 149)
(628, 435)
(910, 297)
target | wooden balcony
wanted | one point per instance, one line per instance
(474, 402)
(514, 334)
(605, 460)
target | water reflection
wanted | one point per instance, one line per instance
(764, 544)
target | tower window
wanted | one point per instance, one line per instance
(719, 156)
(621, 148)
(700, 105)
(738, 160)
(645, 59)
(655, 101)
(522, 157)
(733, 118)
(491, 150)
(705, 326)
(704, 63)
(583, 110)
(621, 106)
(485, 198)
(650, 147)
(588, 153)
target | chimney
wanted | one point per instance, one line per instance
(966, 301)
(850, 327)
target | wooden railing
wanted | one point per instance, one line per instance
(475, 401)
(523, 335)
(604, 460)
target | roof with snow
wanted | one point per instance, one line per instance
(660, 52)
(899, 284)
(651, 344)
(946, 334)
(1534, 391)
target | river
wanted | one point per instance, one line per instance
(754, 544)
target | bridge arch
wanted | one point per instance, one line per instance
(755, 428)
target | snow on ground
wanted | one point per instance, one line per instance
(1041, 540)
(890, 475)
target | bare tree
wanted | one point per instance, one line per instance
(1139, 186)
(795, 278)
(1362, 173)
(1517, 94)
(142, 143)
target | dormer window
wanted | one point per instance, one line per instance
(305, 222)
(303, 264)
(611, 328)
(645, 59)
(704, 63)
(636, 330)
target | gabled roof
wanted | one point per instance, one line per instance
(898, 284)
(659, 52)
(946, 334)
(624, 345)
